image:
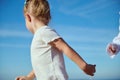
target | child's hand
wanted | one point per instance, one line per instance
(30, 76)
(23, 78)
(90, 69)
(112, 48)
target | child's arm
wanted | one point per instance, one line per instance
(114, 47)
(30, 76)
(62, 46)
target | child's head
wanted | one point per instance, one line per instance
(39, 9)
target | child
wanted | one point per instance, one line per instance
(114, 47)
(47, 46)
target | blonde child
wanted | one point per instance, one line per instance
(47, 46)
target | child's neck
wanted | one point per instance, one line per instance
(37, 25)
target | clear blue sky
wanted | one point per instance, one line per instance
(87, 25)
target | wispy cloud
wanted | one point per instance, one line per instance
(14, 33)
(5, 45)
(87, 9)
(82, 34)
(6, 33)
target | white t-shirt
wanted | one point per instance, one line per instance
(116, 41)
(47, 62)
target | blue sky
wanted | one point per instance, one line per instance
(86, 25)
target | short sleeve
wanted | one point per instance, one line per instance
(116, 40)
(49, 35)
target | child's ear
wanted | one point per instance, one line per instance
(28, 17)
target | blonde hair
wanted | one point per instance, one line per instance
(39, 9)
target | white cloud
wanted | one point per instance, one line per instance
(4, 45)
(82, 34)
(14, 33)
(87, 9)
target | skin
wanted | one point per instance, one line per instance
(112, 49)
(32, 25)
